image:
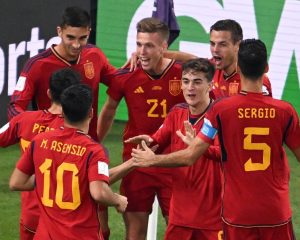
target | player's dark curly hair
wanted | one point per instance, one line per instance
(76, 102)
(75, 17)
(60, 80)
(200, 65)
(231, 26)
(252, 58)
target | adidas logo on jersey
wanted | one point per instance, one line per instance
(139, 90)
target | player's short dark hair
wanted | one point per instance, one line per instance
(252, 58)
(153, 25)
(231, 26)
(76, 102)
(60, 80)
(75, 17)
(200, 65)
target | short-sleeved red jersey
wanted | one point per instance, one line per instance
(148, 100)
(34, 79)
(231, 85)
(64, 162)
(252, 129)
(23, 128)
(196, 191)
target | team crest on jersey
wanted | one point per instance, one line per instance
(89, 70)
(233, 88)
(175, 87)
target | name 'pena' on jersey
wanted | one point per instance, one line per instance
(64, 147)
(256, 112)
(38, 128)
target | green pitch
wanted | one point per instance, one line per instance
(10, 201)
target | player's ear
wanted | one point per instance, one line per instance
(59, 31)
(210, 86)
(266, 68)
(49, 94)
(165, 46)
(91, 113)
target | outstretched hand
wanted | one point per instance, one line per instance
(138, 139)
(142, 156)
(190, 133)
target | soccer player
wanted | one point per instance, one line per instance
(149, 91)
(225, 37)
(252, 129)
(27, 125)
(71, 173)
(74, 52)
(195, 205)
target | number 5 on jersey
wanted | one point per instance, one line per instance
(265, 148)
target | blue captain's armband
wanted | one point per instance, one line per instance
(208, 130)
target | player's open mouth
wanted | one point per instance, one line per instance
(191, 95)
(217, 59)
(145, 60)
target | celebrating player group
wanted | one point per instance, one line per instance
(204, 136)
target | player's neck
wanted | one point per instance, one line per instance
(160, 67)
(59, 49)
(200, 108)
(254, 86)
(55, 108)
(229, 70)
(82, 126)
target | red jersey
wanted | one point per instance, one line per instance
(196, 192)
(64, 162)
(231, 85)
(23, 128)
(148, 100)
(34, 79)
(252, 129)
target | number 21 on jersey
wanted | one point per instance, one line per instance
(157, 109)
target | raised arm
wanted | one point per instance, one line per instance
(106, 117)
(179, 56)
(24, 91)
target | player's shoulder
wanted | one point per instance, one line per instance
(179, 107)
(177, 64)
(174, 65)
(93, 146)
(223, 100)
(25, 116)
(279, 103)
(37, 59)
(124, 74)
(91, 48)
